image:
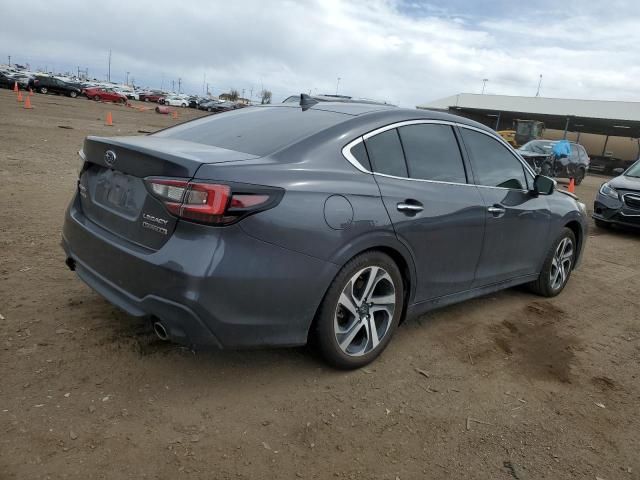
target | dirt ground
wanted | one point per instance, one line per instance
(510, 386)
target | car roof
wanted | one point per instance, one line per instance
(384, 114)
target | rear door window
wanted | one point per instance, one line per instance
(583, 154)
(385, 153)
(432, 153)
(574, 154)
(493, 164)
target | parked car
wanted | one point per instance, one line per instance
(151, 96)
(6, 81)
(23, 80)
(104, 95)
(618, 200)
(175, 101)
(195, 101)
(538, 154)
(45, 84)
(217, 106)
(607, 164)
(129, 94)
(271, 225)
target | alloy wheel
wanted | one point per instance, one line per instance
(561, 263)
(365, 311)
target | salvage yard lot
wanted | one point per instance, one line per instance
(506, 386)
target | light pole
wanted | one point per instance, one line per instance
(539, 83)
(337, 85)
(127, 82)
(484, 84)
(109, 72)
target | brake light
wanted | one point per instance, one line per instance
(212, 203)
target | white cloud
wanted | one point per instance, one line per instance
(379, 48)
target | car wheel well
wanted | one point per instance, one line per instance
(399, 260)
(574, 226)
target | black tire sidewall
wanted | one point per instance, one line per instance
(580, 174)
(325, 334)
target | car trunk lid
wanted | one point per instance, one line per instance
(112, 188)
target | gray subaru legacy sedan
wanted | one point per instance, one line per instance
(275, 225)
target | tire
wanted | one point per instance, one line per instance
(73, 94)
(44, 90)
(184, 105)
(552, 280)
(602, 224)
(545, 170)
(122, 101)
(344, 323)
(580, 174)
(96, 98)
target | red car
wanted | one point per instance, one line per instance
(104, 94)
(151, 97)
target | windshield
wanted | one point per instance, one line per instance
(634, 170)
(538, 146)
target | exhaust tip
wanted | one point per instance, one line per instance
(160, 331)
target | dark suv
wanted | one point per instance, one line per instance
(266, 226)
(539, 154)
(45, 84)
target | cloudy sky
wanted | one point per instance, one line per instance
(404, 51)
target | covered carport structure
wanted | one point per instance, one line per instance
(608, 118)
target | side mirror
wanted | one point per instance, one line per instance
(618, 171)
(543, 185)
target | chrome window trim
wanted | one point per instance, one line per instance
(346, 151)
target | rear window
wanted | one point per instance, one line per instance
(258, 131)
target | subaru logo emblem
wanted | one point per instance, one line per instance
(110, 157)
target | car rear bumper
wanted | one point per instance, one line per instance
(208, 286)
(610, 210)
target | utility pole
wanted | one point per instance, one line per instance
(337, 85)
(539, 83)
(109, 74)
(78, 72)
(9, 60)
(484, 84)
(204, 81)
(173, 85)
(251, 95)
(179, 85)
(127, 82)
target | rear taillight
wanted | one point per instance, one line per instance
(212, 203)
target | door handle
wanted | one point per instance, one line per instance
(410, 207)
(497, 211)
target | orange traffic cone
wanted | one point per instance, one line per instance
(30, 92)
(19, 96)
(15, 86)
(109, 120)
(27, 102)
(572, 185)
(175, 114)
